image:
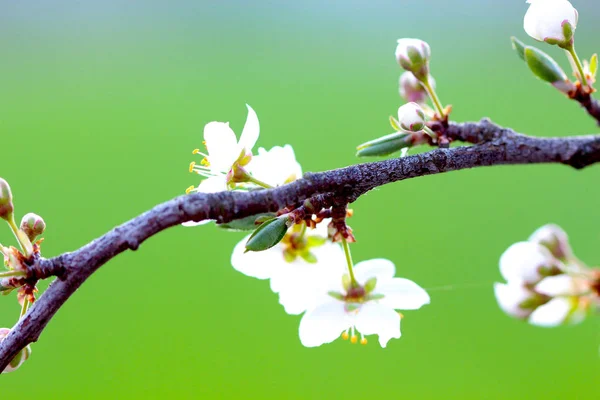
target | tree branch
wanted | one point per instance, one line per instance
(493, 146)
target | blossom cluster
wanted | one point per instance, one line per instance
(306, 266)
(545, 283)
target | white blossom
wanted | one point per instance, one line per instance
(545, 18)
(555, 239)
(559, 311)
(563, 285)
(299, 264)
(352, 309)
(224, 151)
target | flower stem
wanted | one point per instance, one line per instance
(24, 307)
(8, 274)
(434, 97)
(259, 183)
(577, 62)
(349, 261)
(23, 241)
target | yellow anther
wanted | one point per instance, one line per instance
(354, 339)
(363, 341)
(196, 151)
(189, 190)
(401, 315)
(204, 143)
(205, 162)
(345, 336)
(192, 165)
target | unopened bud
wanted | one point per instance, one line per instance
(385, 145)
(411, 117)
(6, 201)
(411, 88)
(554, 239)
(33, 225)
(545, 68)
(528, 262)
(553, 22)
(413, 55)
(268, 234)
(19, 359)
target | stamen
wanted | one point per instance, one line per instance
(363, 340)
(205, 162)
(345, 335)
(401, 315)
(189, 190)
(192, 165)
(196, 151)
(354, 339)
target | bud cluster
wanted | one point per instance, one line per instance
(19, 359)
(546, 284)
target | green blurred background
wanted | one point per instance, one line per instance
(101, 105)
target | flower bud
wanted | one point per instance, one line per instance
(385, 145)
(528, 262)
(545, 68)
(19, 359)
(411, 117)
(268, 234)
(411, 88)
(33, 225)
(413, 55)
(516, 300)
(6, 201)
(551, 21)
(554, 239)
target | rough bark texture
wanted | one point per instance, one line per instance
(493, 145)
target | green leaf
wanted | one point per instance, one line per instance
(544, 66)
(519, 47)
(594, 65)
(246, 224)
(385, 145)
(268, 234)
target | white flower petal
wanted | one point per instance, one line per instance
(222, 146)
(379, 268)
(553, 313)
(260, 265)
(555, 239)
(522, 262)
(193, 223)
(250, 132)
(561, 285)
(373, 318)
(323, 324)
(402, 294)
(213, 184)
(276, 166)
(510, 296)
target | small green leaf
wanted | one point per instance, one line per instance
(519, 47)
(268, 234)
(395, 124)
(594, 65)
(543, 66)
(247, 223)
(385, 145)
